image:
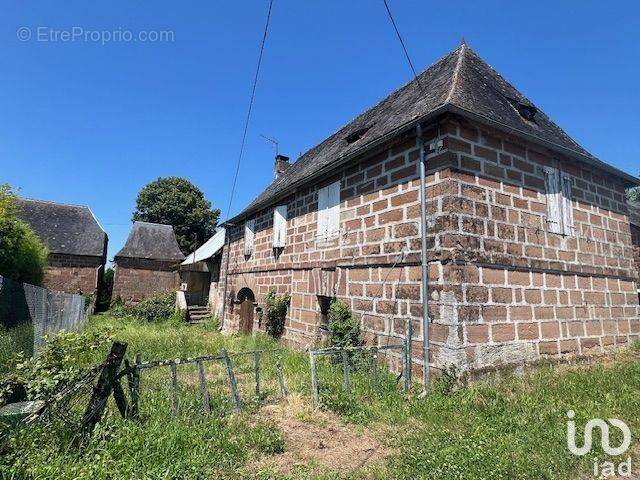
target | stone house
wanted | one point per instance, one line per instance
(77, 244)
(526, 234)
(147, 264)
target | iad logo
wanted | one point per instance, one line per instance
(604, 469)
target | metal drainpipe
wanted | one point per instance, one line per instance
(227, 235)
(425, 267)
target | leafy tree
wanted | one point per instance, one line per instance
(178, 202)
(23, 255)
(633, 194)
(106, 289)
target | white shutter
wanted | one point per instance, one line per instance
(323, 201)
(554, 199)
(567, 209)
(248, 236)
(333, 210)
(280, 226)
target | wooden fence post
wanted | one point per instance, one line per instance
(206, 403)
(407, 354)
(315, 394)
(232, 381)
(103, 387)
(174, 389)
(345, 372)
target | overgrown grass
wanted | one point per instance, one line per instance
(510, 428)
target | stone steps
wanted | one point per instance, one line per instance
(197, 314)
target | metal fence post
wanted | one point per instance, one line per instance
(256, 365)
(235, 396)
(407, 354)
(174, 388)
(135, 386)
(283, 389)
(314, 379)
(345, 371)
(206, 403)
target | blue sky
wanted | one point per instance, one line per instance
(91, 123)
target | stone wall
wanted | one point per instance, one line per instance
(503, 288)
(73, 273)
(136, 279)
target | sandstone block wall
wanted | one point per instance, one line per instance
(503, 289)
(71, 274)
(136, 279)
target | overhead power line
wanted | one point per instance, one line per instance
(248, 118)
(404, 47)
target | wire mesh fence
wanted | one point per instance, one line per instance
(345, 373)
(211, 385)
(29, 313)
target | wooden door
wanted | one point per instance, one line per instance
(246, 315)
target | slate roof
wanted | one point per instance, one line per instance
(634, 213)
(66, 229)
(153, 241)
(461, 82)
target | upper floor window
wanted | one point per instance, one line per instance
(249, 233)
(329, 211)
(280, 226)
(559, 209)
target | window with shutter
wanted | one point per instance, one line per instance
(280, 226)
(554, 199)
(248, 236)
(329, 211)
(567, 209)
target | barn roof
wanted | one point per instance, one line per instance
(66, 229)
(153, 241)
(460, 82)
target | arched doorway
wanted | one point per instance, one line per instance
(246, 299)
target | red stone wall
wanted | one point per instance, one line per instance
(136, 279)
(503, 288)
(73, 274)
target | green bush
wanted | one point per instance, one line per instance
(156, 309)
(344, 328)
(23, 255)
(62, 358)
(277, 307)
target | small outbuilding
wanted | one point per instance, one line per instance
(147, 264)
(76, 241)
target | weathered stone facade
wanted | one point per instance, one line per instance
(147, 264)
(503, 289)
(136, 279)
(73, 273)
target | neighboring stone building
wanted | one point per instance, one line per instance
(147, 264)
(528, 235)
(77, 244)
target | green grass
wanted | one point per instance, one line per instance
(510, 428)
(15, 340)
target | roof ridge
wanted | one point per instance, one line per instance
(456, 72)
(75, 205)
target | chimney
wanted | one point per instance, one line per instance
(281, 165)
